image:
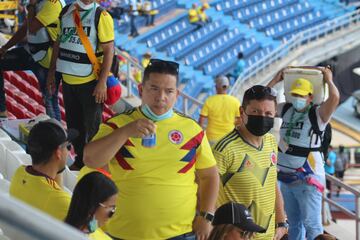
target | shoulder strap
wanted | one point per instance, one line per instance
(64, 10)
(98, 12)
(313, 120)
(86, 43)
(285, 108)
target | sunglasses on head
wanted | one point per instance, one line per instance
(112, 209)
(158, 63)
(259, 90)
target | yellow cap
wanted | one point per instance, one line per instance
(206, 5)
(302, 87)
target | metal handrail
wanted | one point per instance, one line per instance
(307, 36)
(355, 216)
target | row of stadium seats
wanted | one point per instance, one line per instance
(12, 156)
(163, 6)
(252, 27)
(24, 100)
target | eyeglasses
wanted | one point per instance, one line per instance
(67, 145)
(112, 209)
(261, 90)
(160, 64)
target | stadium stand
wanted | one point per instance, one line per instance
(254, 28)
(23, 99)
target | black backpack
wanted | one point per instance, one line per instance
(324, 136)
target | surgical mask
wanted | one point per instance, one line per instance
(153, 116)
(92, 225)
(298, 103)
(84, 6)
(259, 125)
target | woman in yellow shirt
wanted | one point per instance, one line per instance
(92, 204)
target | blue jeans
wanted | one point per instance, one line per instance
(186, 236)
(303, 209)
(51, 101)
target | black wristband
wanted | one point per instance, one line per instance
(207, 215)
(282, 224)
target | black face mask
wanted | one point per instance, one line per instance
(259, 125)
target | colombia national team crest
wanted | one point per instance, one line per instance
(273, 158)
(176, 137)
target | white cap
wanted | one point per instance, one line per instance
(222, 81)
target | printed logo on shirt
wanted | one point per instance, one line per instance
(273, 158)
(249, 164)
(176, 137)
(298, 125)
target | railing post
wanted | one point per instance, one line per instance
(128, 80)
(357, 217)
(185, 105)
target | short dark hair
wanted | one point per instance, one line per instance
(45, 137)
(93, 189)
(259, 93)
(161, 66)
(240, 55)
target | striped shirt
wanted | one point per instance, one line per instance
(248, 176)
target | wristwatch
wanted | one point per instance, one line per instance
(207, 215)
(283, 225)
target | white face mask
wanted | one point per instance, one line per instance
(83, 5)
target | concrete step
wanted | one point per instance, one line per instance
(342, 229)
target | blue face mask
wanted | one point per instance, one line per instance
(298, 103)
(92, 225)
(153, 116)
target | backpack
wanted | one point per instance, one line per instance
(324, 136)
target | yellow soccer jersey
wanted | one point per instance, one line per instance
(105, 34)
(40, 192)
(221, 111)
(157, 198)
(99, 235)
(49, 17)
(248, 176)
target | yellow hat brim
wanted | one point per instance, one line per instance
(300, 92)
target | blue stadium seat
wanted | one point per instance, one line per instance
(213, 47)
(182, 47)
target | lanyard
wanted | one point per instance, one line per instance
(65, 37)
(292, 123)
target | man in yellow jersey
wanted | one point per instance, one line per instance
(202, 14)
(247, 158)
(220, 110)
(194, 17)
(38, 184)
(84, 94)
(40, 28)
(154, 154)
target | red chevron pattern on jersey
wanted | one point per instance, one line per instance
(191, 145)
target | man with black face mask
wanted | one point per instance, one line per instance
(247, 157)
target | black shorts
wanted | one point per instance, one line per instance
(340, 174)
